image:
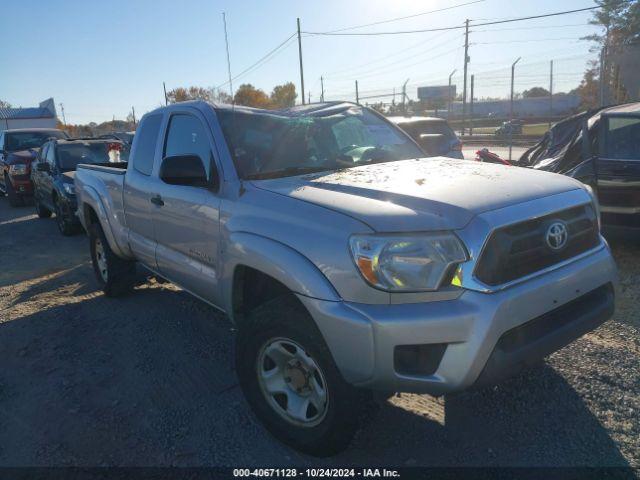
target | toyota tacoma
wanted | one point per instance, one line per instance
(347, 262)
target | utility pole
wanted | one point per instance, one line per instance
(513, 70)
(357, 94)
(450, 103)
(300, 55)
(404, 96)
(550, 92)
(166, 99)
(226, 41)
(471, 109)
(133, 112)
(64, 120)
(466, 61)
(309, 98)
(322, 87)
(602, 69)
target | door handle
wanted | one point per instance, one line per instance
(157, 200)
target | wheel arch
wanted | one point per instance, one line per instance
(93, 211)
(274, 268)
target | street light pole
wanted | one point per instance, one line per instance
(513, 70)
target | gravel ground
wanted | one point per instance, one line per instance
(148, 380)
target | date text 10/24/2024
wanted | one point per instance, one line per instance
(317, 472)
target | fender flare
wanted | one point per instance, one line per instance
(285, 264)
(92, 199)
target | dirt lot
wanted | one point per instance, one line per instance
(148, 380)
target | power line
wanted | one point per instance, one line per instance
(455, 27)
(262, 60)
(526, 41)
(398, 61)
(405, 17)
(395, 53)
(537, 27)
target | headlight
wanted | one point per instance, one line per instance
(594, 201)
(69, 188)
(407, 263)
(19, 169)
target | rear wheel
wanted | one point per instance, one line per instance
(15, 199)
(41, 211)
(291, 382)
(66, 227)
(115, 275)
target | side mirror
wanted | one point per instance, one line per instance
(43, 167)
(187, 170)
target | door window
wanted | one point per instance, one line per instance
(187, 136)
(145, 144)
(623, 138)
(51, 156)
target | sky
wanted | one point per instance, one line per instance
(100, 59)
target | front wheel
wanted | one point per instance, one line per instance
(15, 199)
(66, 227)
(41, 211)
(115, 275)
(291, 382)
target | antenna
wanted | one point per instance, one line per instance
(226, 40)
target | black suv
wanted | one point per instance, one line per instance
(54, 171)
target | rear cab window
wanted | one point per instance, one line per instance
(145, 142)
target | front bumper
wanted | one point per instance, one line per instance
(21, 184)
(362, 338)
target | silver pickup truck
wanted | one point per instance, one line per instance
(347, 262)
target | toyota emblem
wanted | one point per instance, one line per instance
(557, 236)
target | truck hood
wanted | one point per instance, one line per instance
(423, 194)
(22, 156)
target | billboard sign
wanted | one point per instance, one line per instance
(440, 92)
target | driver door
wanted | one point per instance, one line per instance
(186, 218)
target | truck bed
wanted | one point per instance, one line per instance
(100, 186)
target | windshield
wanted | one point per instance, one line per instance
(269, 145)
(70, 155)
(25, 140)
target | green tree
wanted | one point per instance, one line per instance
(621, 19)
(621, 22)
(535, 92)
(588, 90)
(284, 96)
(251, 96)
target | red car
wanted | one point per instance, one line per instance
(18, 148)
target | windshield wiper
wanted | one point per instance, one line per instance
(286, 172)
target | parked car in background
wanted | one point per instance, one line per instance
(53, 172)
(602, 149)
(433, 134)
(347, 262)
(18, 148)
(511, 127)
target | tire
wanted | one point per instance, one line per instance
(41, 211)
(66, 227)
(115, 275)
(324, 431)
(15, 199)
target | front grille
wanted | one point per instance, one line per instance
(518, 250)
